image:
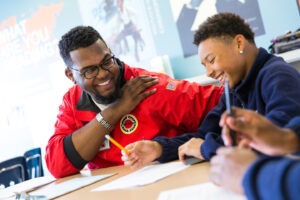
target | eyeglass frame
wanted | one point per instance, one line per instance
(98, 66)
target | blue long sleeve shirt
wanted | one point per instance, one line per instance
(274, 178)
(271, 88)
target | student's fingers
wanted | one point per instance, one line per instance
(236, 111)
(124, 154)
(130, 147)
(132, 157)
(127, 160)
(239, 124)
(245, 116)
(190, 148)
(214, 160)
(181, 153)
(124, 158)
(217, 165)
(223, 119)
(244, 143)
(215, 170)
(224, 150)
(131, 160)
(135, 162)
(131, 163)
(226, 136)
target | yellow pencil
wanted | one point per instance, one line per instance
(117, 144)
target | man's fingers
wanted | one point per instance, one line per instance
(143, 95)
(223, 119)
(143, 82)
(226, 136)
(136, 87)
(238, 124)
(244, 143)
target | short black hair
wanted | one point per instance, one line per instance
(77, 37)
(223, 25)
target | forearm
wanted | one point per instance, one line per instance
(88, 139)
(279, 141)
(294, 126)
(290, 142)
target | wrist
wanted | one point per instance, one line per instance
(119, 108)
(291, 141)
(103, 122)
(158, 149)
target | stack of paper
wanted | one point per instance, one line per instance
(25, 186)
(146, 175)
(55, 190)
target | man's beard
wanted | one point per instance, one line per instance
(111, 98)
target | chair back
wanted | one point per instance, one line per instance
(34, 165)
(13, 171)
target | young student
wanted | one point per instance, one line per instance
(259, 177)
(258, 80)
(110, 97)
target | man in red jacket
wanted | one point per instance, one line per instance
(110, 97)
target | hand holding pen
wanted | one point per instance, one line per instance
(231, 140)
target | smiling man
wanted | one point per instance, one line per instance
(110, 97)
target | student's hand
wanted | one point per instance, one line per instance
(190, 148)
(259, 133)
(135, 90)
(229, 166)
(141, 153)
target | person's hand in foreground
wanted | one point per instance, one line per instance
(258, 132)
(229, 166)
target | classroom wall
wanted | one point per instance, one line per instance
(33, 81)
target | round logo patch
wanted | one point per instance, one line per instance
(128, 124)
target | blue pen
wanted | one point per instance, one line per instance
(228, 108)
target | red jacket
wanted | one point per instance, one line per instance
(177, 107)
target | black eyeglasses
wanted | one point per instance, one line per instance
(92, 71)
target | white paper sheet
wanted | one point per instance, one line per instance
(146, 175)
(25, 186)
(207, 191)
(59, 189)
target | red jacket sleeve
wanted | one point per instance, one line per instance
(65, 125)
